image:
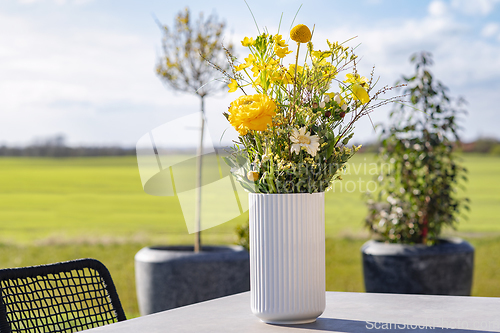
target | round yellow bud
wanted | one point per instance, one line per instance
(300, 33)
(253, 176)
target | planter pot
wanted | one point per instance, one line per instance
(442, 269)
(287, 257)
(172, 276)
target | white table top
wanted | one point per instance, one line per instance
(345, 312)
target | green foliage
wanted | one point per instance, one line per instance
(419, 187)
(243, 233)
(302, 174)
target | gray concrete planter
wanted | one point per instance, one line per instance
(172, 276)
(442, 269)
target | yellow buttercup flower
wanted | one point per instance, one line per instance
(280, 47)
(251, 112)
(241, 67)
(278, 39)
(301, 33)
(247, 41)
(282, 51)
(255, 71)
(359, 93)
(250, 59)
(320, 55)
(356, 78)
(233, 86)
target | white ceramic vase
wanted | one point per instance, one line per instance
(287, 257)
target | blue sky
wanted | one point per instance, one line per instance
(85, 68)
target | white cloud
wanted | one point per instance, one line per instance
(438, 8)
(475, 7)
(466, 63)
(491, 29)
(54, 83)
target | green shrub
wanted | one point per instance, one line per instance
(420, 171)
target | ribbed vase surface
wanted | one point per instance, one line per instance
(287, 257)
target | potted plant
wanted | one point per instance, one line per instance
(293, 129)
(419, 177)
(173, 276)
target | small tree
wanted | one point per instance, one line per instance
(184, 66)
(419, 168)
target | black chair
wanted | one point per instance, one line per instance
(64, 297)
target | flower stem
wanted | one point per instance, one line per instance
(295, 81)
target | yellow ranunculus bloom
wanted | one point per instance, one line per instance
(251, 112)
(247, 41)
(233, 86)
(301, 33)
(359, 93)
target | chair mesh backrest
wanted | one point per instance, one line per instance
(63, 297)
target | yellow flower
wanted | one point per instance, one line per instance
(320, 55)
(251, 112)
(275, 77)
(250, 59)
(253, 176)
(291, 70)
(300, 33)
(256, 71)
(241, 67)
(233, 86)
(302, 139)
(280, 47)
(247, 41)
(282, 51)
(278, 39)
(286, 77)
(359, 93)
(356, 78)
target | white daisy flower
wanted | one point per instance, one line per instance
(302, 139)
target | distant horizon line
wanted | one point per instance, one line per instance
(175, 148)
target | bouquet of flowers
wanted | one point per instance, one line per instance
(294, 130)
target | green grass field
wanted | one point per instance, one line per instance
(61, 209)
